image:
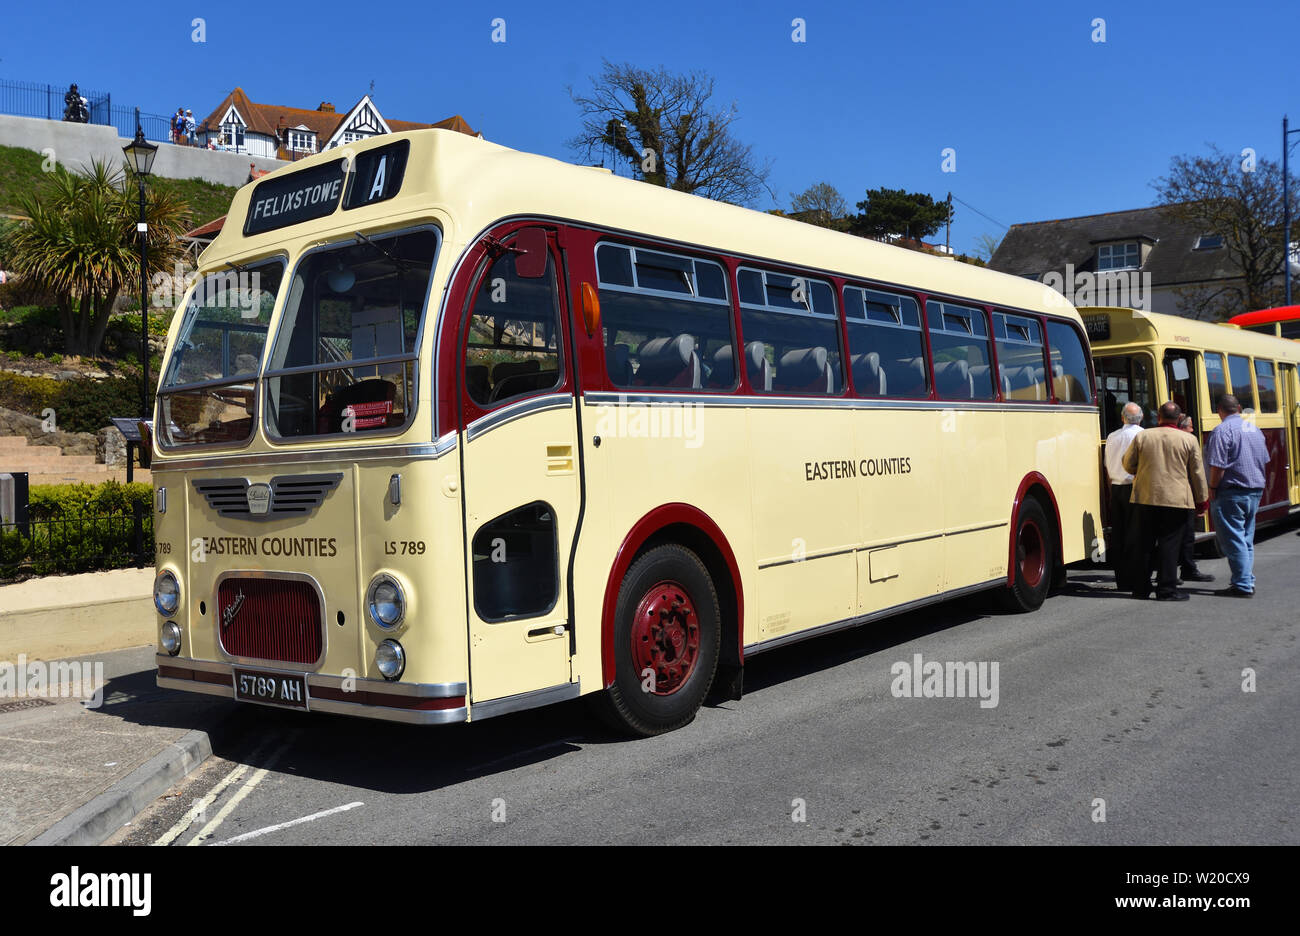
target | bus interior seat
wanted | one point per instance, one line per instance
(329, 418)
(909, 377)
(619, 362)
(954, 380)
(668, 362)
(723, 375)
(476, 380)
(805, 370)
(1005, 374)
(980, 376)
(757, 368)
(528, 382)
(511, 368)
(868, 375)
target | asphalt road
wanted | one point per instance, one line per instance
(1100, 698)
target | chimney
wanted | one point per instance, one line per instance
(326, 107)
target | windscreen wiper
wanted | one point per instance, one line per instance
(397, 261)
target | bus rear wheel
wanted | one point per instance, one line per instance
(1034, 559)
(667, 630)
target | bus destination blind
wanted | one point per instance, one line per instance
(294, 198)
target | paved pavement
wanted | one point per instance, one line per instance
(1104, 703)
(58, 755)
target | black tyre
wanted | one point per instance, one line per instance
(667, 627)
(1034, 557)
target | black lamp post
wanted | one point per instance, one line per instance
(139, 154)
(1286, 209)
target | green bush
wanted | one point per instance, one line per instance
(29, 395)
(79, 528)
(85, 405)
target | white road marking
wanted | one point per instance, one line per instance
(292, 822)
(210, 829)
(201, 806)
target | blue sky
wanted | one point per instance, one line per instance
(1045, 122)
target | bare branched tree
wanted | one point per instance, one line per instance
(1242, 201)
(820, 204)
(665, 127)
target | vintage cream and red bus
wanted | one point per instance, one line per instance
(1148, 358)
(448, 430)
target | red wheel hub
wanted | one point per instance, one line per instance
(665, 638)
(1030, 554)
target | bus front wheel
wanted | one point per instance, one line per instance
(667, 629)
(1034, 559)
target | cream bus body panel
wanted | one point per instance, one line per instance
(368, 535)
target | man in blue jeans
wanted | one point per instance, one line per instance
(1236, 455)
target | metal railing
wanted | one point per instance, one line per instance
(34, 99)
(84, 543)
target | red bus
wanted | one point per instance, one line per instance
(1284, 321)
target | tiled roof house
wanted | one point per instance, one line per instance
(270, 130)
(1183, 261)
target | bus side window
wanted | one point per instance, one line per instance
(1069, 364)
(1267, 382)
(1216, 381)
(886, 347)
(666, 320)
(792, 334)
(959, 340)
(1239, 375)
(513, 337)
(1019, 342)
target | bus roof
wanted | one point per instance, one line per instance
(472, 184)
(1134, 326)
(1267, 316)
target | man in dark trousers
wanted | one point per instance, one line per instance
(1237, 455)
(1121, 491)
(1187, 570)
(1168, 480)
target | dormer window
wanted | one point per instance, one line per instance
(302, 141)
(1118, 256)
(1209, 242)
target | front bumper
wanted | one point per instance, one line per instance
(409, 703)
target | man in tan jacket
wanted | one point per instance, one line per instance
(1168, 480)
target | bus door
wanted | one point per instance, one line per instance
(1180, 378)
(1291, 421)
(521, 485)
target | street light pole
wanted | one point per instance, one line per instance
(1286, 210)
(140, 153)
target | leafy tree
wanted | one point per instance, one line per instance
(820, 204)
(666, 128)
(1217, 194)
(79, 241)
(895, 212)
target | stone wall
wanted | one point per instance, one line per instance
(76, 144)
(72, 443)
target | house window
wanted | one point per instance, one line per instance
(1209, 242)
(302, 141)
(232, 135)
(1117, 256)
(351, 136)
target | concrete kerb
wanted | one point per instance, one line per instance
(94, 822)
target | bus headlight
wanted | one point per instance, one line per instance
(390, 659)
(171, 638)
(385, 601)
(166, 594)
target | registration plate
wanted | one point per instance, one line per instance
(286, 689)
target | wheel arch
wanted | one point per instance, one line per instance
(690, 527)
(1035, 486)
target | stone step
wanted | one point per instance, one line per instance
(37, 456)
(75, 477)
(51, 466)
(12, 442)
